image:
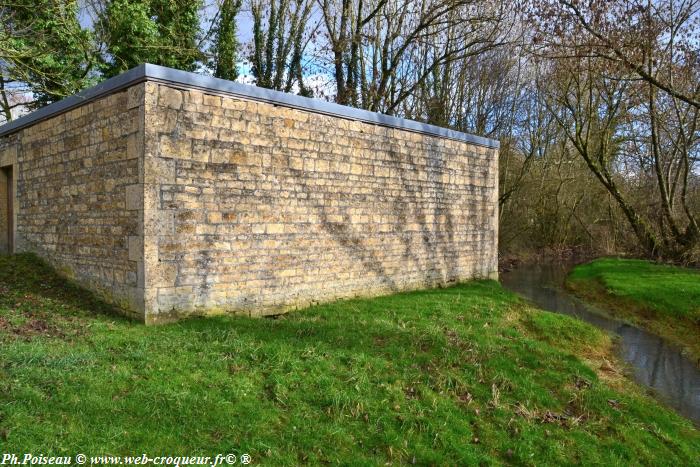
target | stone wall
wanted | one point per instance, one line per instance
(72, 171)
(256, 208)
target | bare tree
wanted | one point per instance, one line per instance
(382, 51)
(617, 31)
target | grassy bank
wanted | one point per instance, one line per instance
(664, 299)
(462, 375)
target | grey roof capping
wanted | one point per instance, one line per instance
(110, 86)
(148, 72)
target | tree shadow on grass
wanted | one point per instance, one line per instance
(32, 291)
(419, 323)
(30, 286)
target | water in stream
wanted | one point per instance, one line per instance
(656, 363)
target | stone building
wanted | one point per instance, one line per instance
(170, 193)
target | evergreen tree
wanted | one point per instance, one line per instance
(44, 50)
(225, 48)
(162, 32)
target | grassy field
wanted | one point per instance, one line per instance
(662, 298)
(463, 375)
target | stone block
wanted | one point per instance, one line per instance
(135, 248)
(134, 197)
(169, 97)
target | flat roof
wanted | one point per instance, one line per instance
(178, 78)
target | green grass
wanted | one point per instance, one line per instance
(463, 375)
(663, 298)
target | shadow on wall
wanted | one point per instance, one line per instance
(445, 261)
(411, 206)
(431, 231)
(344, 235)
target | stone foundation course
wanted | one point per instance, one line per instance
(172, 194)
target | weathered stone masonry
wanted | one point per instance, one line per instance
(71, 172)
(174, 199)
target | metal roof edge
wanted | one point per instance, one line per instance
(149, 72)
(121, 81)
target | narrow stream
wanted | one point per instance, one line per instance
(656, 363)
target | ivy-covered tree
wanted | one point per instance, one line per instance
(162, 32)
(281, 33)
(225, 47)
(45, 54)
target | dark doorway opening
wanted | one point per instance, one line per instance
(6, 210)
